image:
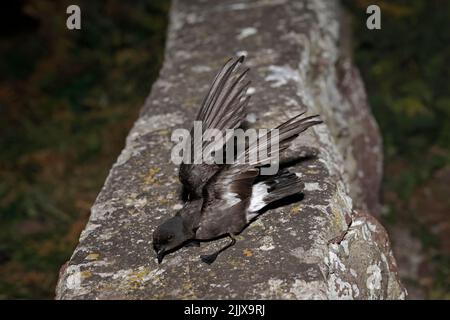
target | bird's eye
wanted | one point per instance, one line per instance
(170, 237)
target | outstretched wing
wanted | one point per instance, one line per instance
(222, 108)
(234, 182)
(224, 105)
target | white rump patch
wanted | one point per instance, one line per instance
(259, 192)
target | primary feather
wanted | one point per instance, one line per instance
(223, 108)
(237, 181)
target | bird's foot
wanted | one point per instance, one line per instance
(209, 258)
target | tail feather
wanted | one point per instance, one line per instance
(287, 132)
(275, 188)
(282, 186)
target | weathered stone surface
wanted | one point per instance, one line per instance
(325, 246)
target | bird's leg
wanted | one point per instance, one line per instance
(210, 258)
(193, 243)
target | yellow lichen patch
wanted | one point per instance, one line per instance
(136, 279)
(86, 274)
(237, 263)
(340, 204)
(187, 291)
(92, 256)
(162, 200)
(164, 132)
(134, 212)
(150, 176)
(312, 171)
(247, 253)
(189, 296)
(338, 220)
(190, 102)
(257, 224)
(187, 286)
(295, 209)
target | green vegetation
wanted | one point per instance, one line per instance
(67, 101)
(406, 72)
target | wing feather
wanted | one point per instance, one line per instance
(222, 108)
(238, 178)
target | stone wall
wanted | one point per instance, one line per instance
(327, 246)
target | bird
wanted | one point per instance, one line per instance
(225, 198)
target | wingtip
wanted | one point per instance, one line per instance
(310, 124)
(235, 60)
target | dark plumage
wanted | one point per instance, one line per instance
(222, 108)
(223, 199)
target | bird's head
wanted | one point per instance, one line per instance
(168, 236)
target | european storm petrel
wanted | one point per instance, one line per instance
(224, 198)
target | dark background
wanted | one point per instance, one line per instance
(68, 99)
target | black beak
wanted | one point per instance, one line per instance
(160, 256)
